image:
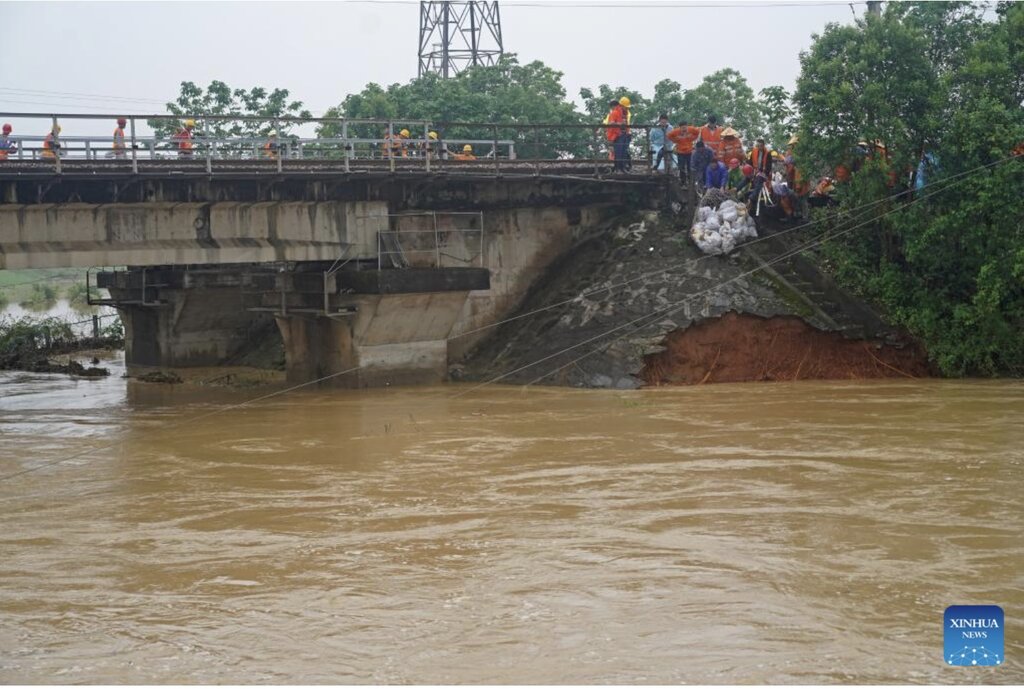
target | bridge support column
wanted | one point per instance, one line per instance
(318, 347)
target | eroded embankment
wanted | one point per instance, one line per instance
(743, 347)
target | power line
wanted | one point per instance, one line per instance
(79, 95)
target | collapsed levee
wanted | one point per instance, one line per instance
(743, 347)
(640, 305)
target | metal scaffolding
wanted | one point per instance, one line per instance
(457, 35)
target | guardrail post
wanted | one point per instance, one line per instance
(209, 147)
(536, 151)
(56, 143)
(346, 151)
(280, 153)
(426, 145)
(135, 158)
(497, 162)
(88, 150)
(437, 241)
(388, 147)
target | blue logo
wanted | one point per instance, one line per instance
(973, 635)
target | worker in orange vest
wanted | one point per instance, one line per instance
(619, 135)
(272, 147)
(731, 146)
(119, 146)
(51, 144)
(184, 138)
(395, 144)
(711, 135)
(6, 145)
(683, 136)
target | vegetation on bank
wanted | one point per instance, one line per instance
(937, 81)
(28, 344)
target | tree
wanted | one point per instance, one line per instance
(950, 265)
(507, 92)
(727, 95)
(218, 99)
(779, 115)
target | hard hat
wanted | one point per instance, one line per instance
(729, 131)
(748, 170)
(57, 128)
(7, 128)
(775, 154)
(734, 163)
(405, 133)
(793, 140)
(625, 102)
(272, 132)
(432, 135)
(467, 149)
(189, 124)
(122, 121)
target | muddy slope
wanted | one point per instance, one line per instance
(628, 295)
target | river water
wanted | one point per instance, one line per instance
(808, 532)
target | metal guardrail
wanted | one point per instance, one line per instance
(351, 143)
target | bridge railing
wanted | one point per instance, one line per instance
(219, 142)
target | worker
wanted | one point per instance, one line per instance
(272, 148)
(731, 146)
(716, 175)
(431, 147)
(119, 146)
(683, 136)
(699, 161)
(661, 147)
(467, 153)
(735, 174)
(761, 161)
(184, 138)
(7, 146)
(618, 133)
(711, 135)
(51, 144)
(395, 144)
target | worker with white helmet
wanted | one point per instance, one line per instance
(272, 148)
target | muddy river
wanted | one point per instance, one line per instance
(791, 532)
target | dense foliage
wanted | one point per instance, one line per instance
(219, 99)
(935, 79)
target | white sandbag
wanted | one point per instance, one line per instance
(728, 244)
(729, 213)
(703, 212)
(712, 223)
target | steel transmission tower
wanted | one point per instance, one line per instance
(457, 35)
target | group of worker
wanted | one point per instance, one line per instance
(9, 147)
(400, 144)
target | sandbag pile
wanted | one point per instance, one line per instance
(719, 230)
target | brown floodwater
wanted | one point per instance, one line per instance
(791, 532)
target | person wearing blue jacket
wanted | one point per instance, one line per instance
(661, 147)
(716, 175)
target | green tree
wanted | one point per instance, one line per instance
(727, 95)
(779, 116)
(218, 99)
(507, 92)
(950, 265)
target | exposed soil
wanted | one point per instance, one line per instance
(743, 347)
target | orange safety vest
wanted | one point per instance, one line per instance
(270, 149)
(48, 147)
(6, 145)
(184, 139)
(732, 147)
(683, 138)
(755, 157)
(119, 139)
(712, 138)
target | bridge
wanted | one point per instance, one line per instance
(352, 249)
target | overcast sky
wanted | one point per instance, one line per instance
(80, 52)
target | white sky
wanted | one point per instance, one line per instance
(322, 51)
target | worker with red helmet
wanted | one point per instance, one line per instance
(119, 147)
(7, 146)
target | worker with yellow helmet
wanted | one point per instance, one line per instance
(184, 138)
(618, 134)
(395, 144)
(51, 144)
(467, 153)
